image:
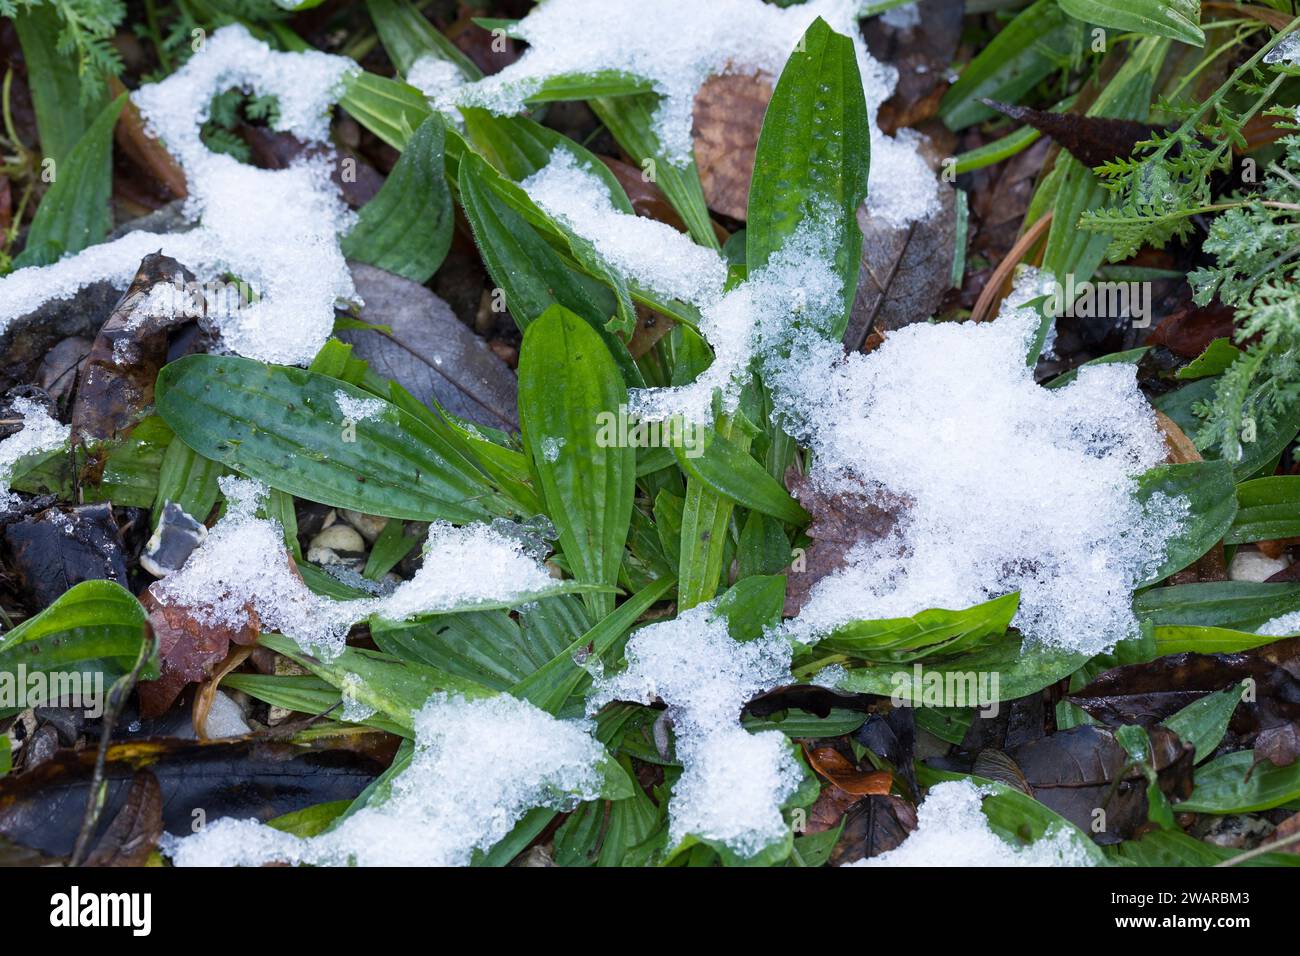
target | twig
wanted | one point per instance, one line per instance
(1261, 850)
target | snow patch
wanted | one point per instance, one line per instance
(677, 45)
(243, 563)
(478, 767)
(953, 831)
(651, 253)
(733, 782)
(275, 229)
(40, 433)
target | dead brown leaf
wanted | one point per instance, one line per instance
(728, 116)
(116, 387)
(135, 831)
(839, 522)
(835, 767)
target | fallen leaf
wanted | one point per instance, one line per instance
(1078, 771)
(1189, 330)
(1092, 140)
(116, 386)
(905, 271)
(188, 649)
(835, 767)
(429, 351)
(839, 522)
(922, 55)
(872, 826)
(1279, 745)
(134, 832)
(728, 115)
(59, 547)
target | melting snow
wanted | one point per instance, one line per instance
(358, 409)
(439, 80)
(40, 433)
(243, 562)
(953, 831)
(678, 44)
(651, 253)
(733, 782)
(478, 767)
(275, 229)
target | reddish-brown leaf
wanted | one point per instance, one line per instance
(835, 767)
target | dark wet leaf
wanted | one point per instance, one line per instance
(1079, 771)
(872, 826)
(1093, 140)
(1279, 745)
(428, 351)
(117, 381)
(199, 783)
(905, 271)
(60, 547)
(839, 522)
(134, 832)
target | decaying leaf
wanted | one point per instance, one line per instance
(1092, 140)
(59, 547)
(428, 351)
(728, 116)
(1083, 770)
(116, 387)
(840, 771)
(134, 832)
(188, 649)
(872, 826)
(905, 271)
(839, 522)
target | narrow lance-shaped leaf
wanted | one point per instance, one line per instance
(406, 227)
(74, 213)
(568, 384)
(813, 156)
(284, 427)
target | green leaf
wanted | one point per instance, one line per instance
(189, 480)
(1176, 19)
(305, 694)
(1021, 668)
(1203, 722)
(752, 605)
(74, 213)
(487, 647)
(397, 688)
(1235, 783)
(1190, 639)
(1238, 605)
(61, 116)
(407, 36)
(813, 157)
(95, 620)
(730, 471)
(1164, 848)
(283, 427)
(555, 681)
(1211, 503)
(389, 108)
(630, 119)
(927, 632)
(567, 381)
(1267, 508)
(1021, 54)
(406, 227)
(1216, 358)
